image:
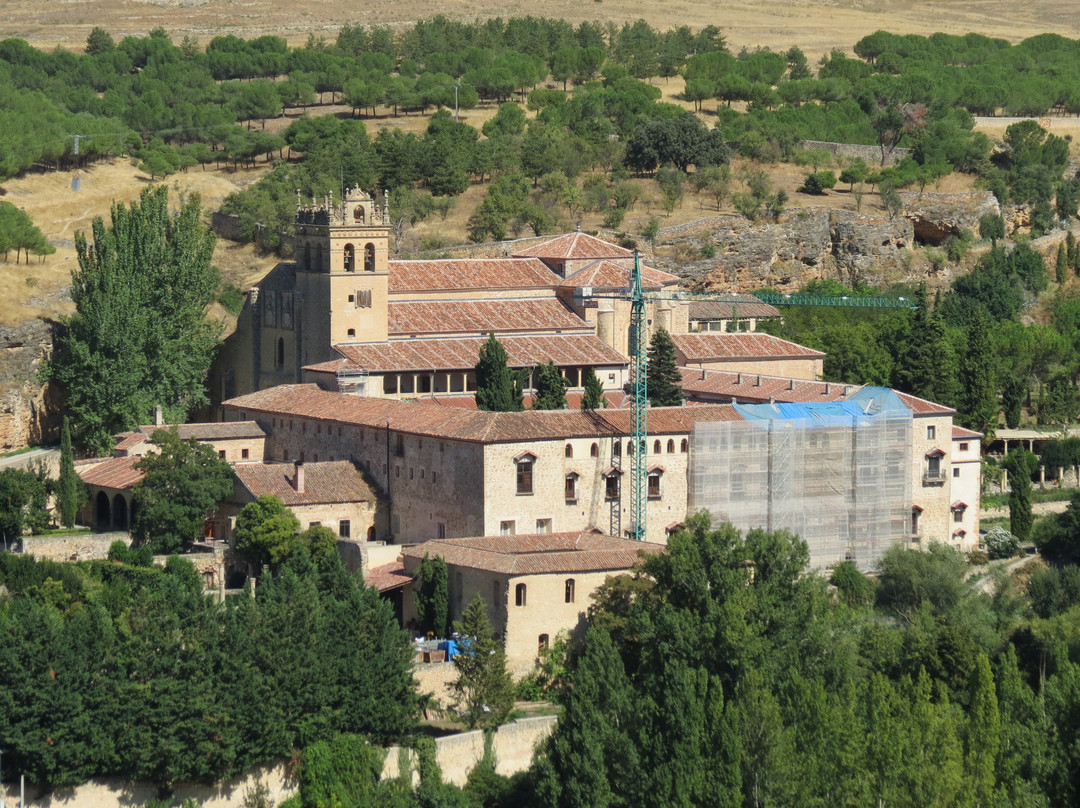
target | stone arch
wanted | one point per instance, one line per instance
(359, 215)
(102, 510)
(371, 533)
(350, 258)
(369, 257)
(120, 512)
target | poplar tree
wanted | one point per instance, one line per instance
(139, 336)
(594, 392)
(498, 389)
(550, 388)
(70, 491)
(664, 378)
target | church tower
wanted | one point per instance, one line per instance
(342, 258)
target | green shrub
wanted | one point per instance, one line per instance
(231, 299)
(818, 182)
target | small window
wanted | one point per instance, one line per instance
(221, 453)
(684, 447)
(314, 524)
(244, 453)
(507, 528)
(915, 513)
(654, 485)
(440, 530)
(616, 449)
(280, 358)
(399, 446)
(958, 515)
(344, 528)
(931, 432)
(963, 447)
(568, 451)
(519, 595)
(629, 448)
(542, 643)
(525, 476)
(594, 450)
(351, 333)
(671, 447)
(656, 447)
(410, 472)
(611, 486)
(569, 590)
(571, 487)
(956, 471)
(434, 477)
(543, 526)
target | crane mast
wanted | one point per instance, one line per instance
(639, 384)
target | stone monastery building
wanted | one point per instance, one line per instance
(348, 355)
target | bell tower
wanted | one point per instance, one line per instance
(342, 262)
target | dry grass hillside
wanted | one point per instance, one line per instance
(816, 26)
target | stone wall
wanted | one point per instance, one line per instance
(83, 547)
(870, 154)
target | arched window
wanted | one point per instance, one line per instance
(594, 451)
(568, 451)
(359, 215)
(279, 360)
(350, 258)
(351, 332)
(671, 447)
(684, 446)
(569, 589)
(629, 448)
(541, 643)
(369, 258)
(519, 595)
(656, 447)
(616, 449)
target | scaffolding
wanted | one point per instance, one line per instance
(838, 474)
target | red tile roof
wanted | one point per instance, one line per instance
(613, 398)
(612, 275)
(422, 418)
(750, 345)
(727, 306)
(388, 577)
(207, 431)
(116, 472)
(470, 273)
(482, 317)
(574, 246)
(540, 554)
(333, 481)
(723, 385)
(960, 433)
(426, 354)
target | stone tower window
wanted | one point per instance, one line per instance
(519, 595)
(369, 258)
(350, 258)
(359, 214)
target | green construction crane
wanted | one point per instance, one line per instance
(638, 350)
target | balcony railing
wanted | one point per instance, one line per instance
(931, 476)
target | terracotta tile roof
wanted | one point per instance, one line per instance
(463, 353)
(614, 399)
(423, 418)
(210, 430)
(749, 345)
(115, 472)
(730, 305)
(388, 577)
(723, 385)
(332, 481)
(470, 273)
(482, 317)
(613, 275)
(538, 554)
(960, 433)
(574, 246)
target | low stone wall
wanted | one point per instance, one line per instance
(513, 745)
(870, 154)
(82, 547)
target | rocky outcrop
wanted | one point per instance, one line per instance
(28, 415)
(935, 217)
(804, 245)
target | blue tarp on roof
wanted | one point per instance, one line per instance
(865, 402)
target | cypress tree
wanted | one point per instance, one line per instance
(978, 380)
(1013, 392)
(433, 597)
(70, 491)
(550, 388)
(1020, 463)
(1061, 267)
(1072, 252)
(594, 392)
(665, 380)
(483, 691)
(498, 389)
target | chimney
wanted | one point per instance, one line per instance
(159, 416)
(828, 389)
(772, 399)
(738, 379)
(758, 382)
(734, 400)
(703, 374)
(298, 476)
(847, 389)
(791, 384)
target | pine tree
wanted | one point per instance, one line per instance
(664, 378)
(978, 380)
(483, 691)
(1061, 267)
(550, 388)
(498, 389)
(1013, 392)
(929, 366)
(70, 491)
(594, 392)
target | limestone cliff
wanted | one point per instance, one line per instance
(28, 415)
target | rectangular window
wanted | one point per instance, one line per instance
(313, 524)
(221, 453)
(931, 432)
(525, 476)
(507, 528)
(956, 471)
(571, 487)
(440, 530)
(958, 515)
(611, 487)
(434, 477)
(543, 525)
(963, 447)
(654, 486)
(344, 528)
(244, 454)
